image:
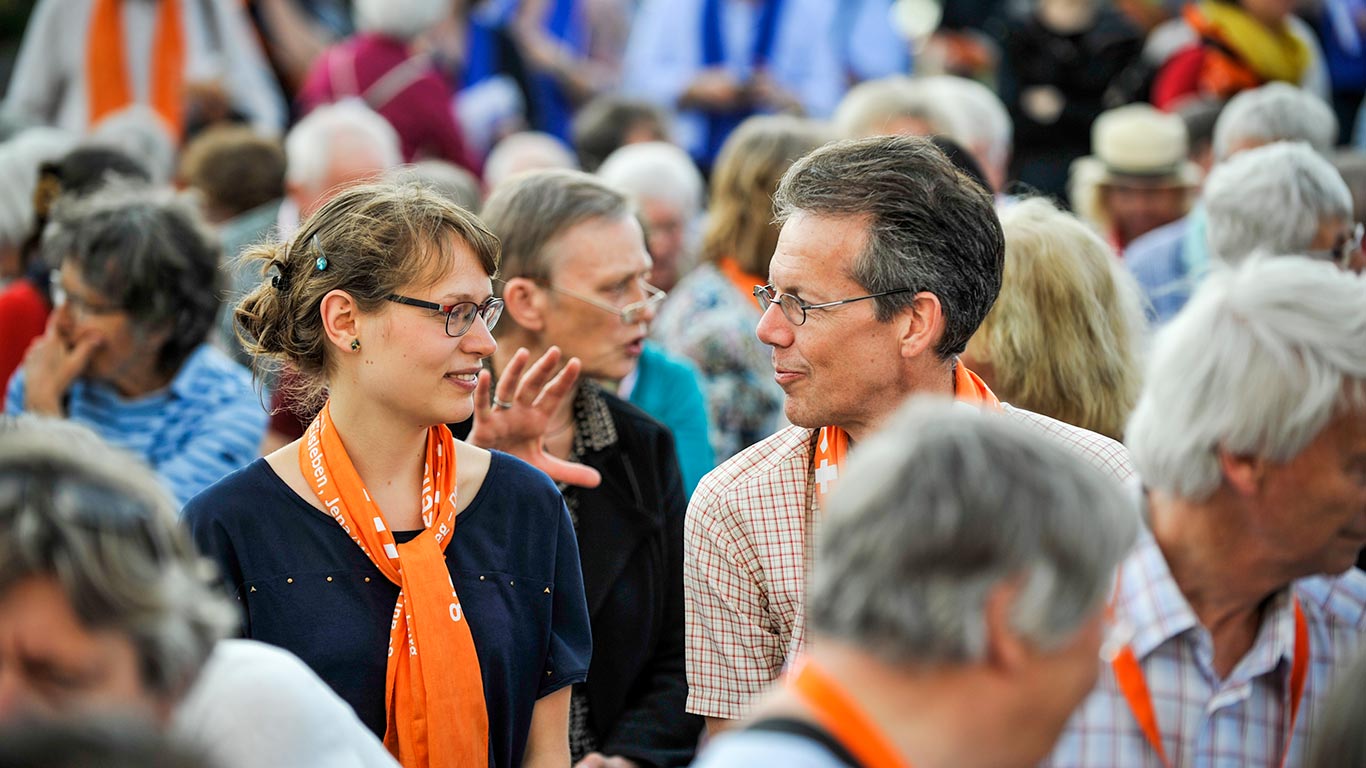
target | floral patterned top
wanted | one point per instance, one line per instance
(707, 320)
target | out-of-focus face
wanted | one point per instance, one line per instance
(124, 351)
(666, 236)
(51, 664)
(411, 367)
(1310, 514)
(605, 260)
(1067, 17)
(1057, 681)
(1136, 208)
(1339, 241)
(841, 367)
(348, 165)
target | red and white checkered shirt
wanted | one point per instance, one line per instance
(1206, 722)
(749, 538)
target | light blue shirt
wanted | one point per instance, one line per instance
(205, 424)
(757, 749)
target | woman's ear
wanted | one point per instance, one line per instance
(524, 302)
(341, 319)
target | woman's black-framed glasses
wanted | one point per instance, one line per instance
(459, 316)
(794, 309)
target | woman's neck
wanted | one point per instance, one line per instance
(387, 453)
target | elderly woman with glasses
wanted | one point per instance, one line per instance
(574, 265)
(125, 351)
(433, 584)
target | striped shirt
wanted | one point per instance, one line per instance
(205, 424)
(1206, 722)
(748, 540)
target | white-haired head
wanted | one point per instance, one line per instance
(20, 159)
(980, 123)
(1274, 112)
(1274, 199)
(337, 144)
(655, 170)
(891, 106)
(526, 151)
(142, 134)
(401, 19)
(1256, 364)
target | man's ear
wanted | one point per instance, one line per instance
(1006, 652)
(341, 319)
(1242, 472)
(922, 325)
(525, 303)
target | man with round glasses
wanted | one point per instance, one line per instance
(887, 261)
(574, 266)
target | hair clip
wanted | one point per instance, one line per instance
(321, 263)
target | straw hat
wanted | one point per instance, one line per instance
(1136, 144)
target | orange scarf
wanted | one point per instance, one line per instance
(1241, 52)
(842, 717)
(743, 281)
(433, 691)
(833, 443)
(106, 70)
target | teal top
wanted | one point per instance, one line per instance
(670, 389)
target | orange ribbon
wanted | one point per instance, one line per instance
(1134, 686)
(106, 69)
(434, 693)
(841, 717)
(832, 443)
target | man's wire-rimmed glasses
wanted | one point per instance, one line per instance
(794, 309)
(631, 314)
(459, 316)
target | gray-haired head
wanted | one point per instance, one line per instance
(20, 159)
(1274, 112)
(526, 151)
(892, 105)
(148, 252)
(400, 19)
(96, 521)
(946, 504)
(930, 227)
(346, 131)
(450, 181)
(655, 170)
(1274, 199)
(532, 209)
(139, 132)
(1256, 364)
(981, 122)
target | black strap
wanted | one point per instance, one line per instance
(806, 730)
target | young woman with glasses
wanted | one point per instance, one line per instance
(435, 585)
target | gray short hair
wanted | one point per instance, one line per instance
(526, 151)
(95, 519)
(942, 506)
(402, 19)
(447, 180)
(1274, 199)
(149, 252)
(1274, 112)
(869, 106)
(656, 170)
(534, 208)
(1256, 363)
(930, 227)
(332, 129)
(981, 122)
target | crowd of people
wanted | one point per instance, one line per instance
(653, 383)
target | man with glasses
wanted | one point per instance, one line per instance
(574, 266)
(887, 261)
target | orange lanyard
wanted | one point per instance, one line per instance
(841, 716)
(1129, 676)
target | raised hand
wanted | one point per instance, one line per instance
(514, 419)
(51, 365)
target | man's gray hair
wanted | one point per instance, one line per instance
(148, 252)
(530, 210)
(332, 129)
(1274, 112)
(656, 170)
(95, 519)
(1257, 363)
(946, 504)
(981, 122)
(401, 19)
(1273, 199)
(930, 227)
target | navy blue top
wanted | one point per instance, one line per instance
(305, 586)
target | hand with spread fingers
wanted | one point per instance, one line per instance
(515, 416)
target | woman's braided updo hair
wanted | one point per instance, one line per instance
(369, 241)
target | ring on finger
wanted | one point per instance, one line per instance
(501, 403)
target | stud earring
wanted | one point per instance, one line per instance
(355, 345)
